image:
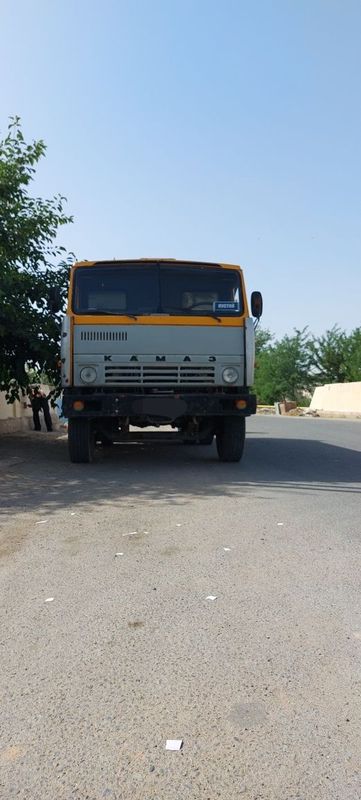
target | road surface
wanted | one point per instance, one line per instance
(262, 684)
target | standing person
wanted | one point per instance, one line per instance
(46, 410)
(40, 402)
(36, 404)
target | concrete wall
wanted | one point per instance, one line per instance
(338, 398)
(16, 417)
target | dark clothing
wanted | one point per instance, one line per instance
(46, 410)
(40, 403)
(36, 419)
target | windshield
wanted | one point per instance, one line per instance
(138, 289)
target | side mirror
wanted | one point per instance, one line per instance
(256, 304)
(55, 303)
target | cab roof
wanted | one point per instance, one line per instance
(174, 261)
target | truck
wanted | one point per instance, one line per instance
(152, 343)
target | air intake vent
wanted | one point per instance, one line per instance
(103, 336)
(159, 374)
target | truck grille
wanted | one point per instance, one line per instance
(165, 374)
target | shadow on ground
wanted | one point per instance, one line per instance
(36, 475)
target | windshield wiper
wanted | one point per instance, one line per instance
(111, 313)
(183, 312)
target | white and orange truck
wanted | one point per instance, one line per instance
(158, 342)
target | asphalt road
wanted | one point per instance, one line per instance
(263, 684)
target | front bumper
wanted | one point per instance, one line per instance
(165, 406)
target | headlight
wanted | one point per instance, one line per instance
(230, 375)
(88, 374)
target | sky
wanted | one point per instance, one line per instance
(218, 131)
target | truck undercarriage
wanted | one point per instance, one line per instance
(107, 416)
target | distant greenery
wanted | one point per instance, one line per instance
(291, 367)
(32, 263)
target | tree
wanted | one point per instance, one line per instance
(336, 356)
(29, 330)
(354, 360)
(283, 368)
(264, 337)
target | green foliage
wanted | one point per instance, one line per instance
(282, 367)
(291, 367)
(336, 356)
(354, 361)
(264, 337)
(29, 331)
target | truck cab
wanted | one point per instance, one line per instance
(158, 342)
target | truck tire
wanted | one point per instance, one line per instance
(230, 438)
(81, 441)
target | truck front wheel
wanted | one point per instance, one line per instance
(81, 441)
(230, 438)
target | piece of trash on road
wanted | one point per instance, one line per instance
(49, 599)
(72, 513)
(42, 521)
(119, 554)
(279, 523)
(211, 597)
(178, 524)
(174, 744)
(226, 549)
(132, 533)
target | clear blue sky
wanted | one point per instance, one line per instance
(202, 129)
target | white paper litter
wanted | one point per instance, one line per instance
(132, 533)
(226, 549)
(211, 597)
(72, 513)
(49, 599)
(42, 521)
(279, 523)
(174, 744)
(178, 524)
(119, 554)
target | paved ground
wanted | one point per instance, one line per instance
(263, 684)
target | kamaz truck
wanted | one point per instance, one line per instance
(158, 342)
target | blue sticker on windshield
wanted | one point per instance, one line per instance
(220, 305)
